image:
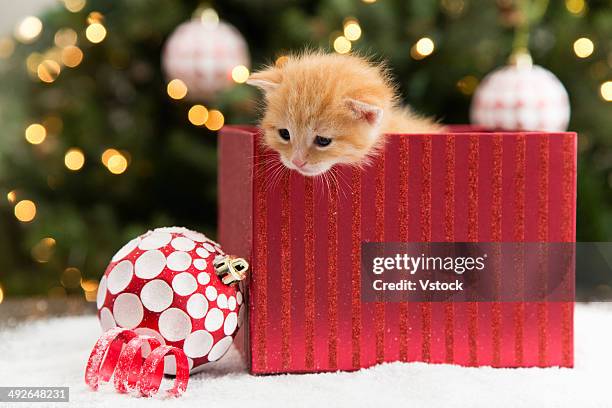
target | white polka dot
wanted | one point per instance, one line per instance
(220, 348)
(183, 244)
(208, 247)
(231, 303)
(101, 297)
(211, 293)
(156, 295)
(202, 252)
(172, 230)
(150, 264)
(120, 277)
(214, 320)
(203, 278)
(197, 306)
(155, 240)
(170, 364)
(128, 310)
(179, 261)
(241, 316)
(198, 344)
(231, 321)
(126, 249)
(184, 284)
(222, 301)
(174, 324)
(150, 332)
(200, 264)
(106, 319)
(239, 297)
(196, 236)
(146, 349)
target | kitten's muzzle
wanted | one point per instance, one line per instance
(299, 163)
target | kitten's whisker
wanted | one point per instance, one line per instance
(342, 182)
(274, 177)
(280, 173)
(334, 178)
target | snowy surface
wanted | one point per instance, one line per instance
(53, 353)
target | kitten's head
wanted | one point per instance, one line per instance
(323, 109)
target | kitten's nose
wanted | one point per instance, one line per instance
(298, 163)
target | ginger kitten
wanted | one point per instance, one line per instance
(327, 109)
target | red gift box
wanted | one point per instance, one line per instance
(303, 241)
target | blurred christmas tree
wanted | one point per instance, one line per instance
(95, 151)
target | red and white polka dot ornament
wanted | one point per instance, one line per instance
(203, 53)
(177, 287)
(521, 96)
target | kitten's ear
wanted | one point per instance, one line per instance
(266, 80)
(364, 111)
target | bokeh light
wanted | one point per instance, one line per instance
(176, 89)
(342, 45)
(108, 153)
(95, 33)
(74, 159)
(583, 47)
(32, 62)
(606, 91)
(25, 210)
(198, 115)
(117, 163)
(467, 85)
(422, 48)
(453, 7)
(240, 74)
(7, 47)
(65, 37)
(43, 250)
(1, 294)
(72, 56)
(215, 120)
(369, 1)
(352, 30)
(48, 71)
(95, 17)
(35, 133)
(74, 6)
(575, 6)
(71, 278)
(90, 289)
(11, 196)
(28, 29)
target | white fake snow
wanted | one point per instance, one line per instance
(54, 353)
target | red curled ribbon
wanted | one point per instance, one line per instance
(121, 351)
(152, 372)
(130, 362)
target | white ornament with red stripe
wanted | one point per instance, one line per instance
(178, 286)
(521, 96)
(203, 53)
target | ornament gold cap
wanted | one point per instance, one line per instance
(230, 269)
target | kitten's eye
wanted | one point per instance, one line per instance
(322, 141)
(284, 134)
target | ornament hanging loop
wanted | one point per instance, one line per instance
(230, 269)
(532, 12)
